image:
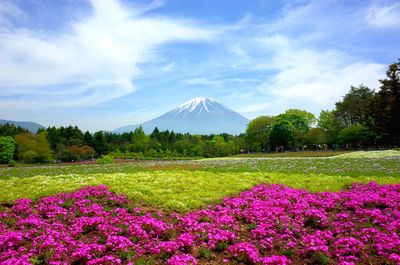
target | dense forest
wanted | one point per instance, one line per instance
(364, 118)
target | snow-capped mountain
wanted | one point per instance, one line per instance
(196, 116)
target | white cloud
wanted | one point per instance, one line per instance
(95, 61)
(168, 68)
(311, 79)
(384, 16)
(307, 61)
(203, 81)
(244, 80)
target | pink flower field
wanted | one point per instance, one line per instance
(269, 224)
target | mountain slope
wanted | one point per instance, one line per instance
(196, 116)
(30, 126)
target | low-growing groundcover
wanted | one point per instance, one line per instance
(269, 224)
(175, 190)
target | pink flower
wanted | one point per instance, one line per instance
(182, 259)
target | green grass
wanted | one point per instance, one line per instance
(295, 154)
(371, 154)
(377, 167)
(187, 185)
(176, 190)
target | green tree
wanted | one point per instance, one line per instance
(300, 118)
(33, 148)
(99, 144)
(11, 130)
(7, 149)
(354, 108)
(139, 140)
(315, 136)
(88, 139)
(258, 131)
(81, 152)
(331, 126)
(387, 107)
(355, 135)
(282, 134)
(301, 122)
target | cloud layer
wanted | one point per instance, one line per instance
(118, 59)
(95, 61)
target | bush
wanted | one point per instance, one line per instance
(106, 159)
(33, 148)
(12, 163)
(7, 148)
(30, 156)
(355, 134)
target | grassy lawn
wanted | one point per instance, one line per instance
(176, 190)
(376, 167)
(186, 185)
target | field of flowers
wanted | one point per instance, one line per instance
(189, 185)
(334, 166)
(177, 190)
(268, 224)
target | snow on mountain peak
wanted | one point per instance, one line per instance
(201, 115)
(196, 103)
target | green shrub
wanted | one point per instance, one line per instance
(105, 159)
(30, 156)
(7, 148)
(12, 163)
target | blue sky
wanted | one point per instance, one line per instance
(102, 64)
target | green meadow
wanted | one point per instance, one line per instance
(187, 185)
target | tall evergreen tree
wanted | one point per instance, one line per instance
(99, 143)
(387, 106)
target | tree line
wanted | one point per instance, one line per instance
(67, 144)
(362, 118)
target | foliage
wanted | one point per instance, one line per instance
(105, 159)
(355, 106)
(7, 148)
(33, 148)
(83, 152)
(316, 136)
(282, 133)
(386, 110)
(331, 126)
(11, 130)
(258, 132)
(12, 163)
(355, 135)
(301, 120)
(99, 143)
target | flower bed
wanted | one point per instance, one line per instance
(269, 224)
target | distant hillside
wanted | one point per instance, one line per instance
(30, 126)
(197, 116)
